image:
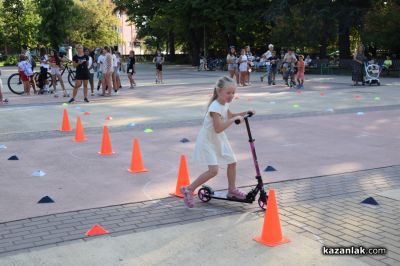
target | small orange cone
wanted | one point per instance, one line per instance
(96, 230)
(79, 133)
(271, 234)
(106, 148)
(65, 126)
(183, 178)
(136, 161)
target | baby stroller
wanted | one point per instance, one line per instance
(372, 72)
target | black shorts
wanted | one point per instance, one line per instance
(130, 71)
(82, 75)
(159, 67)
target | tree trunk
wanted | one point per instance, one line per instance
(344, 41)
(194, 47)
(171, 41)
(323, 41)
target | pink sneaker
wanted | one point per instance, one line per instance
(236, 194)
(187, 197)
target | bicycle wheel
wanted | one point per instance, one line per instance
(15, 84)
(71, 77)
(49, 78)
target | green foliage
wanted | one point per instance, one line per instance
(54, 22)
(94, 24)
(381, 26)
(18, 23)
(11, 60)
(56, 17)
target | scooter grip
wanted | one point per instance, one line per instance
(249, 114)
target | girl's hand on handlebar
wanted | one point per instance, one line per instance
(238, 117)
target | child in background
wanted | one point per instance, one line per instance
(25, 72)
(55, 64)
(273, 59)
(131, 68)
(243, 67)
(212, 146)
(44, 68)
(300, 72)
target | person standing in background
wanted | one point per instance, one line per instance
(91, 71)
(250, 63)
(25, 51)
(80, 62)
(231, 60)
(131, 68)
(358, 62)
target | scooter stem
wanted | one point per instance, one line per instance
(252, 147)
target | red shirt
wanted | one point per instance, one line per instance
(300, 66)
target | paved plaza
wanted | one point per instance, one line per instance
(333, 145)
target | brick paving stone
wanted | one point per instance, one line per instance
(330, 237)
(323, 208)
(375, 242)
(389, 261)
(371, 229)
(371, 261)
(393, 255)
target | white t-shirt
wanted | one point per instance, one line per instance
(44, 58)
(90, 64)
(115, 60)
(243, 63)
(25, 67)
(267, 55)
(28, 55)
(100, 61)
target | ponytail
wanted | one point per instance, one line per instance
(213, 98)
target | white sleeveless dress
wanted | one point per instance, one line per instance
(212, 148)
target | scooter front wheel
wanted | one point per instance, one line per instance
(204, 194)
(262, 203)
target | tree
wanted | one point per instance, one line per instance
(56, 17)
(380, 24)
(19, 21)
(94, 24)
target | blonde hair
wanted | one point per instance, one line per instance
(222, 83)
(79, 46)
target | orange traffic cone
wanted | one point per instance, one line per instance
(79, 133)
(183, 177)
(271, 234)
(65, 126)
(136, 161)
(96, 230)
(106, 148)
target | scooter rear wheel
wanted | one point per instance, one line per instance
(204, 194)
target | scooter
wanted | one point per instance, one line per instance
(206, 193)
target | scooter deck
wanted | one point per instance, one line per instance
(223, 196)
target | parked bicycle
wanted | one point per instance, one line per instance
(16, 86)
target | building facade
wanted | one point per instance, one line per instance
(128, 35)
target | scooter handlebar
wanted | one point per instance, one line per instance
(249, 114)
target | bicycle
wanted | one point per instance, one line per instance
(16, 86)
(71, 73)
(66, 67)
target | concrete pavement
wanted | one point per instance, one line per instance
(328, 129)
